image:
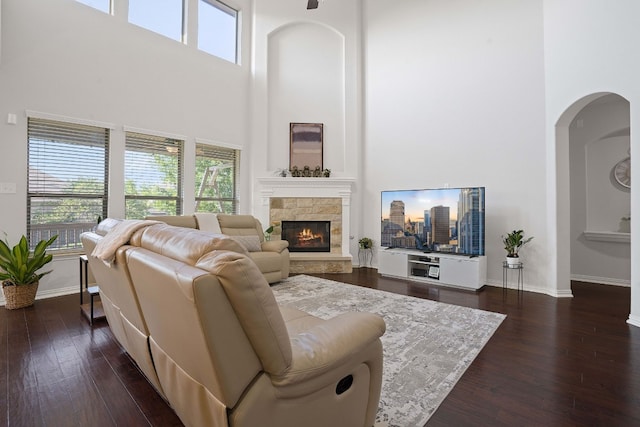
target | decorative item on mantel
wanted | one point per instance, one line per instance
(513, 241)
(282, 172)
(306, 172)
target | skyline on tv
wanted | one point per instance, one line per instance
(439, 220)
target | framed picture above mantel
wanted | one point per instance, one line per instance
(305, 145)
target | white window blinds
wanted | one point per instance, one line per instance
(67, 180)
(153, 175)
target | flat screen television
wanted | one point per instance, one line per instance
(449, 220)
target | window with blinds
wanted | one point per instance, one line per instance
(153, 175)
(217, 170)
(67, 182)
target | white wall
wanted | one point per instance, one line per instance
(307, 68)
(589, 49)
(66, 59)
(598, 139)
(455, 95)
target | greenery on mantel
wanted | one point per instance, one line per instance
(307, 172)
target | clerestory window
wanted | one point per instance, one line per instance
(161, 16)
(218, 29)
(102, 5)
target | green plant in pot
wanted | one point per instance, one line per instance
(365, 243)
(513, 242)
(267, 233)
(19, 271)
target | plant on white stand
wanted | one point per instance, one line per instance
(513, 241)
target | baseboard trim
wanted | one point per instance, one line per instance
(634, 320)
(528, 288)
(601, 280)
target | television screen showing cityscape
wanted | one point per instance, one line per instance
(434, 220)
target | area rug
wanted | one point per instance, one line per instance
(427, 346)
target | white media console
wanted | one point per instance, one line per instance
(461, 271)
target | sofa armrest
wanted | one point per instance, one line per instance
(330, 344)
(275, 245)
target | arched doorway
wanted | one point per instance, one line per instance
(567, 127)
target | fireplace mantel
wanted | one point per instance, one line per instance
(309, 187)
(299, 187)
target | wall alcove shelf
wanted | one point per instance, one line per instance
(607, 236)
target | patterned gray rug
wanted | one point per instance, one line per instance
(427, 346)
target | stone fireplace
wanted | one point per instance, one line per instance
(311, 199)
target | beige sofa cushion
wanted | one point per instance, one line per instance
(240, 225)
(251, 243)
(254, 304)
(187, 221)
(183, 244)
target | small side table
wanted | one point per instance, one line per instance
(92, 310)
(365, 256)
(517, 267)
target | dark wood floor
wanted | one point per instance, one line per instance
(553, 362)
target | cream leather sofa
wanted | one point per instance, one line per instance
(224, 353)
(271, 257)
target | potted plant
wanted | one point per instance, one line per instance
(513, 241)
(365, 243)
(267, 233)
(19, 271)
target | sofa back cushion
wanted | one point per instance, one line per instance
(240, 225)
(188, 221)
(187, 245)
(255, 306)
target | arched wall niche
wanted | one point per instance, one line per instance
(563, 183)
(306, 84)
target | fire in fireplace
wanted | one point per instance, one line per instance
(307, 236)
